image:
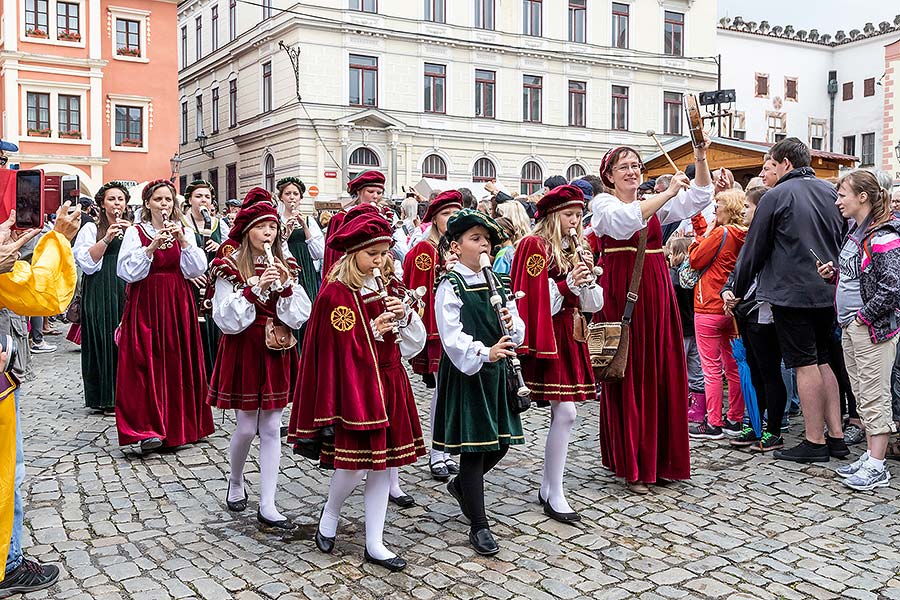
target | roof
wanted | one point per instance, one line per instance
(761, 147)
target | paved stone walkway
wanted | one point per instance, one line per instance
(744, 527)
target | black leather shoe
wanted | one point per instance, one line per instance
(483, 542)
(403, 501)
(150, 444)
(324, 544)
(541, 500)
(285, 524)
(454, 491)
(391, 564)
(837, 447)
(439, 470)
(452, 467)
(236, 505)
(570, 517)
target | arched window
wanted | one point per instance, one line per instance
(575, 171)
(363, 157)
(434, 167)
(269, 172)
(532, 178)
(484, 170)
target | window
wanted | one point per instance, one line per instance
(184, 57)
(214, 29)
(214, 178)
(267, 10)
(184, 122)
(129, 126)
(215, 110)
(182, 183)
(484, 170)
(574, 172)
(620, 25)
(817, 129)
(671, 113)
(232, 103)
(790, 89)
(780, 136)
(199, 126)
(197, 175)
(69, 115)
(867, 157)
(364, 5)
(531, 98)
(735, 127)
(38, 113)
(531, 17)
(436, 11)
(232, 19)
(362, 159)
(363, 80)
(435, 90)
(848, 90)
(36, 18)
(815, 143)
(434, 167)
(198, 37)
(67, 22)
(484, 14)
(267, 86)
(619, 107)
(850, 145)
(775, 126)
(577, 18)
(128, 38)
(231, 181)
(577, 99)
(269, 172)
(762, 85)
(532, 178)
(484, 93)
(868, 87)
(673, 42)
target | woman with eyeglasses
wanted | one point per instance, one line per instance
(643, 417)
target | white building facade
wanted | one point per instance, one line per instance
(450, 89)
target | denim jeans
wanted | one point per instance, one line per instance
(14, 558)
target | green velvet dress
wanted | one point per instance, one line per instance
(209, 332)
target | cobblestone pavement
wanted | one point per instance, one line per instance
(744, 527)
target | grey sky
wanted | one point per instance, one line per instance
(825, 15)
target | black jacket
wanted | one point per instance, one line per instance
(797, 215)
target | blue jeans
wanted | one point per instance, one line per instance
(14, 558)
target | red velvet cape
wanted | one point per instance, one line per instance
(332, 256)
(420, 268)
(529, 274)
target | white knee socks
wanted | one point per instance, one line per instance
(376, 499)
(269, 462)
(244, 432)
(394, 473)
(343, 483)
(562, 418)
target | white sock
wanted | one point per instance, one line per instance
(562, 418)
(874, 463)
(343, 482)
(394, 473)
(376, 499)
(436, 455)
(269, 462)
(238, 449)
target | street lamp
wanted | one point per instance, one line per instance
(201, 139)
(897, 150)
(174, 164)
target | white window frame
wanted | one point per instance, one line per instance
(52, 28)
(54, 88)
(132, 14)
(114, 100)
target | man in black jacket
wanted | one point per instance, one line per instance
(796, 222)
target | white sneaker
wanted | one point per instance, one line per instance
(851, 469)
(42, 348)
(868, 478)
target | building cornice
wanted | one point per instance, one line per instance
(787, 33)
(49, 59)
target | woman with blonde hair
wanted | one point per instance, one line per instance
(515, 212)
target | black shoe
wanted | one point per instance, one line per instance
(150, 444)
(284, 431)
(732, 428)
(804, 452)
(570, 517)
(457, 495)
(439, 470)
(324, 544)
(391, 564)
(541, 500)
(403, 501)
(452, 467)
(705, 431)
(28, 577)
(837, 447)
(747, 437)
(483, 542)
(237, 505)
(768, 442)
(285, 524)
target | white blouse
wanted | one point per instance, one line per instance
(234, 313)
(86, 238)
(590, 300)
(316, 241)
(621, 220)
(134, 264)
(412, 329)
(187, 221)
(466, 353)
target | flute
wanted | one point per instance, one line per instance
(522, 400)
(270, 259)
(169, 240)
(576, 244)
(118, 213)
(382, 293)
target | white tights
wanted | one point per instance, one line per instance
(268, 422)
(562, 418)
(343, 482)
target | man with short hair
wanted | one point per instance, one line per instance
(895, 203)
(796, 224)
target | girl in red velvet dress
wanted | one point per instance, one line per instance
(161, 379)
(354, 409)
(643, 418)
(555, 361)
(248, 376)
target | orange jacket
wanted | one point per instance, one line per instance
(718, 268)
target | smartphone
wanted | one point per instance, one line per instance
(68, 190)
(29, 199)
(816, 256)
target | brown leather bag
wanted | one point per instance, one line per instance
(279, 337)
(608, 342)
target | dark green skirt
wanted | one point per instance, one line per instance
(103, 300)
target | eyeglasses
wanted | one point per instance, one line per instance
(626, 168)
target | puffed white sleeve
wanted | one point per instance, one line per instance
(518, 332)
(193, 259)
(466, 353)
(412, 335)
(231, 310)
(617, 219)
(398, 269)
(686, 204)
(556, 297)
(133, 263)
(86, 238)
(316, 241)
(591, 299)
(224, 229)
(294, 309)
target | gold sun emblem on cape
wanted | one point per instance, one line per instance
(227, 250)
(343, 318)
(535, 264)
(423, 262)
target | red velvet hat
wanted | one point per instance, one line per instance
(250, 215)
(364, 230)
(559, 198)
(366, 179)
(442, 201)
(360, 210)
(256, 195)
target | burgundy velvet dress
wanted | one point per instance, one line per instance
(643, 418)
(420, 269)
(161, 380)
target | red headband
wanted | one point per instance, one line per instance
(605, 164)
